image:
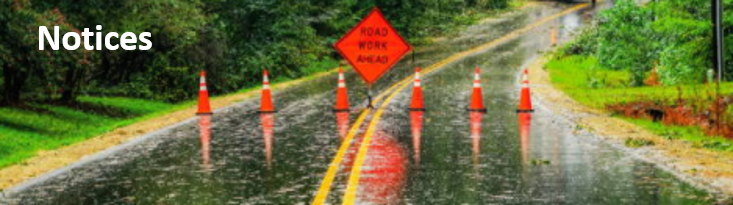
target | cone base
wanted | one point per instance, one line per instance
(417, 109)
(204, 113)
(341, 110)
(525, 110)
(482, 110)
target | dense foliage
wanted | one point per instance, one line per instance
(675, 35)
(231, 39)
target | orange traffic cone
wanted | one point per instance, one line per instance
(266, 103)
(525, 101)
(477, 101)
(204, 107)
(417, 101)
(553, 36)
(342, 99)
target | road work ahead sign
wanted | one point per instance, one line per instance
(372, 47)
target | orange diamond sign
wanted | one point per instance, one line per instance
(372, 47)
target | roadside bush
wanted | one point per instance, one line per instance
(675, 35)
(585, 43)
(684, 55)
(626, 40)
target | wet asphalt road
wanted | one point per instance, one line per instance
(443, 156)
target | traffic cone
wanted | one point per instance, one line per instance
(417, 101)
(477, 101)
(266, 103)
(342, 99)
(525, 101)
(204, 107)
(553, 36)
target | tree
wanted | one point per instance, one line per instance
(22, 60)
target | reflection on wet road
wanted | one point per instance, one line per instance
(384, 173)
(525, 121)
(445, 155)
(416, 120)
(268, 126)
(205, 132)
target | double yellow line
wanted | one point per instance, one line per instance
(391, 92)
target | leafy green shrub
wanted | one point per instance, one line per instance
(675, 35)
(586, 43)
(684, 56)
(626, 40)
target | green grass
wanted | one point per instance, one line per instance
(583, 80)
(35, 127)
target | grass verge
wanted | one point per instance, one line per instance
(28, 129)
(582, 79)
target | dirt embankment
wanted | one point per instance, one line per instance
(709, 169)
(709, 116)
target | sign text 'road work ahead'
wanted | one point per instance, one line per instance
(372, 47)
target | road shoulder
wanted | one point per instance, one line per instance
(711, 170)
(47, 161)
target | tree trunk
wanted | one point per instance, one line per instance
(14, 80)
(71, 82)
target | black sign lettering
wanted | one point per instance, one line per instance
(373, 59)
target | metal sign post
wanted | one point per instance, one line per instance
(717, 11)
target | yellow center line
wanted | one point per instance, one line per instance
(325, 187)
(350, 194)
(353, 183)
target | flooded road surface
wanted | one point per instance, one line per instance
(445, 155)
